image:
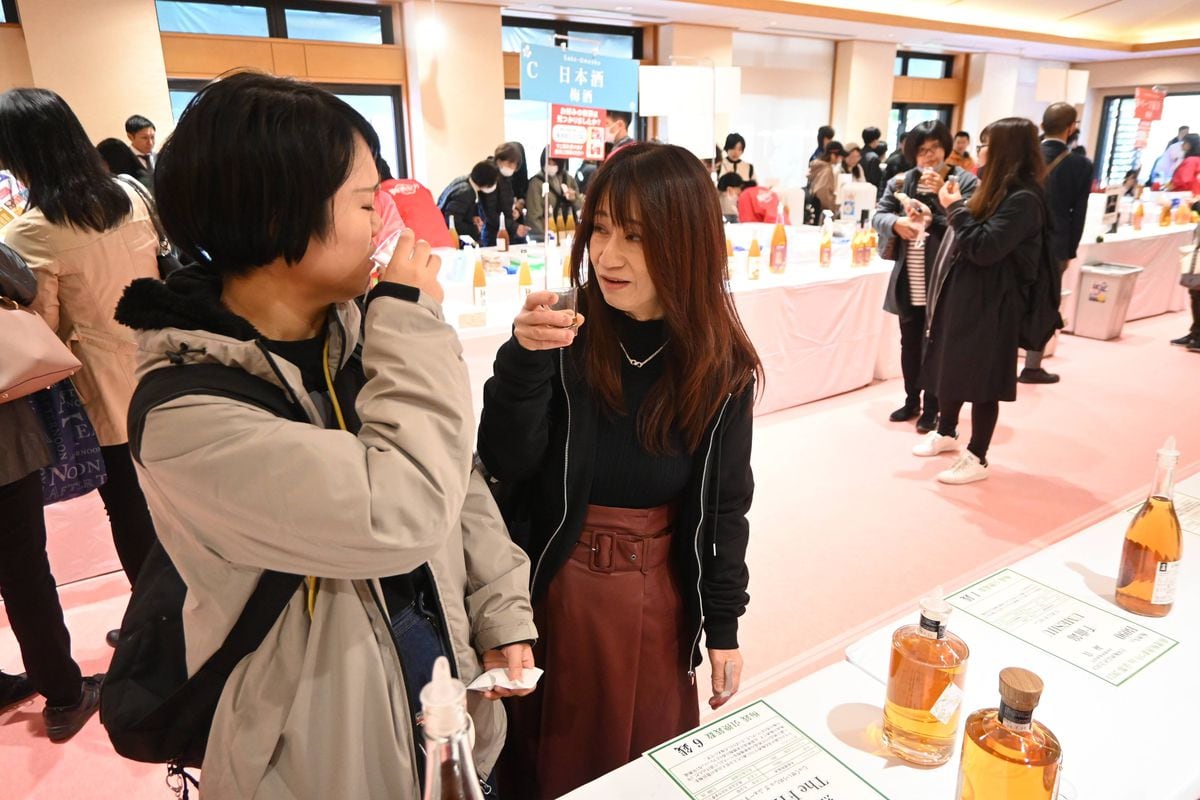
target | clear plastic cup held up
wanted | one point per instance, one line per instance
(383, 254)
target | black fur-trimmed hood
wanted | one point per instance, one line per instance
(189, 300)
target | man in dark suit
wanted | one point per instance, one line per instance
(1068, 183)
(141, 141)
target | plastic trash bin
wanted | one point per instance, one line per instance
(1104, 294)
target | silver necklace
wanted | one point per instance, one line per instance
(633, 362)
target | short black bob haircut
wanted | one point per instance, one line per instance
(248, 175)
(485, 174)
(119, 158)
(136, 123)
(871, 135)
(730, 180)
(933, 130)
(733, 140)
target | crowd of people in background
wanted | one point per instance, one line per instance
(602, 407)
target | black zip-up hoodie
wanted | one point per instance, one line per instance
(537, 436)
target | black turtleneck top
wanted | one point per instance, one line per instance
(626, 475)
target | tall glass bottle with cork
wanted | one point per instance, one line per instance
(1006, 753)
(925, 687)
(1153, 545)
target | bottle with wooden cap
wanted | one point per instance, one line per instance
(1153, 545)
(1006, 753)
(925, 687)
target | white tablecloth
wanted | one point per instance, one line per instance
(1155, 250)
(818, 330)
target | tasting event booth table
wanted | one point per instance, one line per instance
(1155, 250)
(820, 331)
(1122, 692)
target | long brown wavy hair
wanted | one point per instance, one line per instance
(1014, 161)
(667, 191)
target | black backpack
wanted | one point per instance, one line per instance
(152, 710)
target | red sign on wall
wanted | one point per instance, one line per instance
(1148, 104)
(576, 132)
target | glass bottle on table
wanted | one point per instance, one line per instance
(778, 248)
(479, 283)
(1139, 215)
(825, 253)
(1006, 753)
(502, 237)
(754, 259)
(925, 687)
(1153, 546)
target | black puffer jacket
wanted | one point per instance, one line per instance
(537, 434)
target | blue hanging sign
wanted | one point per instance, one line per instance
(573, 77)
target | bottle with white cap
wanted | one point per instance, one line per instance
(449, 766)
(925, 687)
(1153, 545)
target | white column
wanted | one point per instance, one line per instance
(455, 88)
(863, 78)
(695, 46)
(991, 93)
(105, 59)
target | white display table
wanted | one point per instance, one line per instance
(817, 330)
(1155, 250)
(1126, 742)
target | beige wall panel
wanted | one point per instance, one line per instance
(356, 63)
(288, 59)
(105, 59)
(860, 97)
(14, 59)
(193, 56)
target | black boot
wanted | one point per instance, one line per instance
(1185, 341)
(910, 409)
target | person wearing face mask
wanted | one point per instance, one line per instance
(910, 235)
(508, 160)
(616, 131)
(648, 427)
(562, 195)
(730, 186)
(463, 199)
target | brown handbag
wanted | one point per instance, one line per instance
(33, 356)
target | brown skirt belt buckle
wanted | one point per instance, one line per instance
(602, 552)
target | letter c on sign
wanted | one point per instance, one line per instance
(531, 69)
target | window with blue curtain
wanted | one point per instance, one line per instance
(177, 16)
(333, 26)
(511, 37)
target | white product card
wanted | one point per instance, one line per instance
(947, 705)
(756, 754)
(1094, 639)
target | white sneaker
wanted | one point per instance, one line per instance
(934, 443)
(967, 469)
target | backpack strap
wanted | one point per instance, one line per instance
(1061, 158)
(170, 383)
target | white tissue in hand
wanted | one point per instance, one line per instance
(498, 679)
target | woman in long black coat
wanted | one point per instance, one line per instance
(993, 249)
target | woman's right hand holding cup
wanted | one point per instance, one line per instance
(538, 327)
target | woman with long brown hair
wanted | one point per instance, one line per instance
(632, 435)
(992, 249)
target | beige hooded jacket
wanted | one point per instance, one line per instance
(320, 710)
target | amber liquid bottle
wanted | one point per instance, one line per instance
(1007, 755)
(1153, 546)
(925, 688)
(778, 249)
(479, 284)
(754, 259)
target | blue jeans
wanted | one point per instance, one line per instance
(417, 632)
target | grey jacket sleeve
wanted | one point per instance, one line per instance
(887, 211)
(273, 494)
(497, 598)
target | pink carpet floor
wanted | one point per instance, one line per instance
(847, 530)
